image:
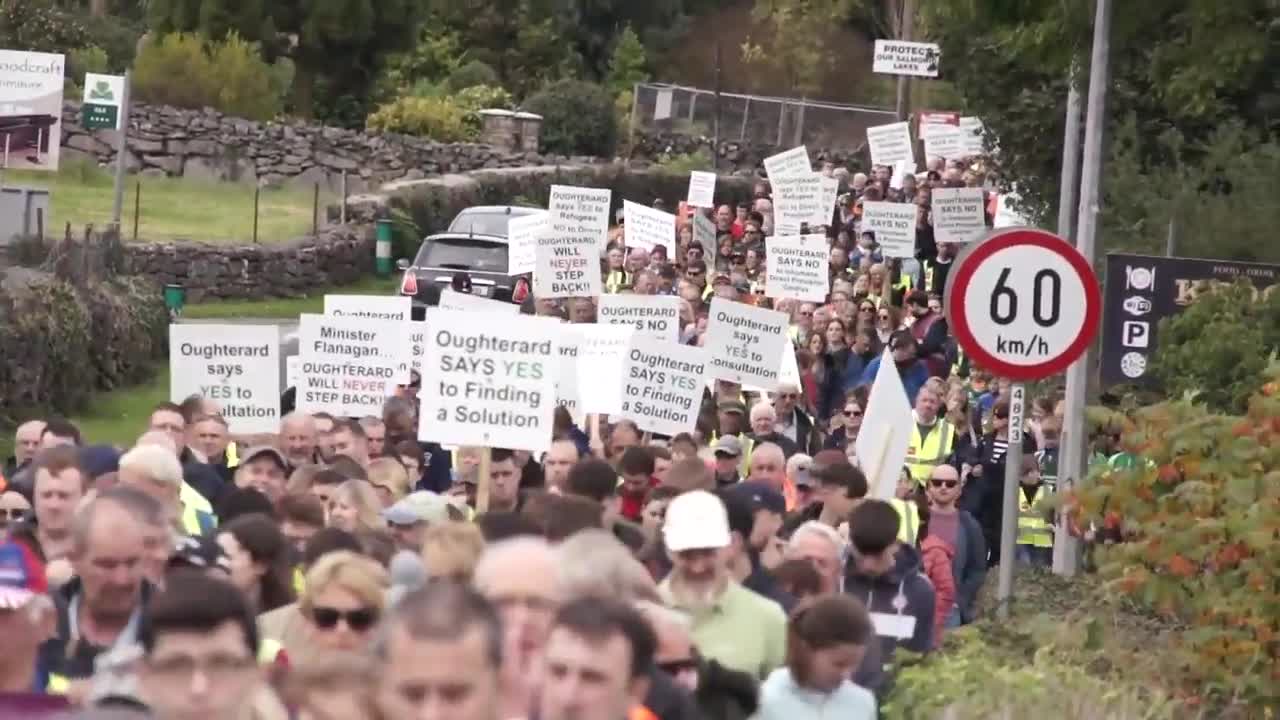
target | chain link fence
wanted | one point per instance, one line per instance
(756, 119)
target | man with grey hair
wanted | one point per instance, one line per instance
(822, 547)
(521, 577)
(441, 656)
(763, 420)
(152, 467)
(201, 484)
(26, 443)
(299, 439)
(793, 423)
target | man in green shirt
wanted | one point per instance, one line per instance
(732, 625)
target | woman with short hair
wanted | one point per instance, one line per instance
(343, 601)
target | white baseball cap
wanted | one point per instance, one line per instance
(696, 520)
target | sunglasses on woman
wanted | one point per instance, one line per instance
(16, 514)
(943, 483)
(326, 618)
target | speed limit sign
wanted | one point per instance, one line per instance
(1023, 303)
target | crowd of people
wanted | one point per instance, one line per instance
(341, 568)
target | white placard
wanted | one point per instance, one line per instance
(489, 380)
(568, 255)
(236, 366)
(797, 267)
(886, 430)
(702, 189)
(601, 355)
(32, 86)
(890, 144)
(894, 225)
(348, 363)
(646, 227)
(654, 315)
(898, 57)
(927, 120)
(374, 307)
(662, 385)
(803, 199)
(789, 375)
(958, 214)
(791, 162)
(466, 302)
(571, 338)
(523, 232)
(745, 342)
(972, 131)
(662, 105)
(417, 345)
(704, 233)
(945, 141)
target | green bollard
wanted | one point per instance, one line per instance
(382, 251)
(175, 297)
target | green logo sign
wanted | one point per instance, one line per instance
(102, 91)
(99, 117)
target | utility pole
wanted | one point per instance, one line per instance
(907, 28)
(1073, 461)
(122, 149)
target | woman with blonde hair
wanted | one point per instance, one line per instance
(356, 506)
(389, 478)
(451, 550)
(343, 601)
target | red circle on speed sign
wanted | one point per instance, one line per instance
(1023, 303)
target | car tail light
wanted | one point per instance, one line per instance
(409, 286)
(520, 292)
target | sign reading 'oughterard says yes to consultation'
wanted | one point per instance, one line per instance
(898, 57)
(348, 363)
(236, 366)
(745, 342)
(654, 315)
(797, 268)
(568, 253)
(894, 225)
(490, 380)
(662, 385)
(959, 214)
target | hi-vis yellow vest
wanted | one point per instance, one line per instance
(925, 454)
(1033, 530)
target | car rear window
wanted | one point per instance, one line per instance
(481, 224)
(464, 254)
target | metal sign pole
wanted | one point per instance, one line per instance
(117, 205)
(1009, 518)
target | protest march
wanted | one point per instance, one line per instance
(726, 458)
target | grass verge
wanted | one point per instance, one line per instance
(281, 308)
(171, 208)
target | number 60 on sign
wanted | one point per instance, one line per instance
(1023, 303)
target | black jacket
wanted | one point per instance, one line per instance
(73, 657)
(669, 701)
(725, 694)
(878, 595)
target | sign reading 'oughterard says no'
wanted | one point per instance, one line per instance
(349, 363)
(958, 214)
(568, 253)
(662, 385)
(796, 268)
(745, 343)
(894, 225)
(236, 366)
(654, 315)
(489, 380)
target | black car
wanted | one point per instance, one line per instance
(475, 243)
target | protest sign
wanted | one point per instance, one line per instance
(796, 267)
(375, 307)
(801, 199)
(945, 141)
(972, 131)
(890, 144)
(745, 342)
(704, 233)
(662, 385)
(898, 57)
(466, 302)
(523, 232)
(788, 376)
(655, 315)
(417, 347)
(791, 162)
(882, 444)
(702, 189)
(927, 120)
(236, 366)
(894, 225)
(567, 396)
(489, 380)
(958, 214)
(349, 363)
(646, 227)
(568, 254)
(601, 355)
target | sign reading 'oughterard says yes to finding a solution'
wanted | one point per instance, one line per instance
(490, 380)
(568, 253)
(745, 342)
(662, 385)
(797, 268)
(348, 363)
(654, 315)
(894, 225)
(236, 366)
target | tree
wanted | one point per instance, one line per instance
(628, 65)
